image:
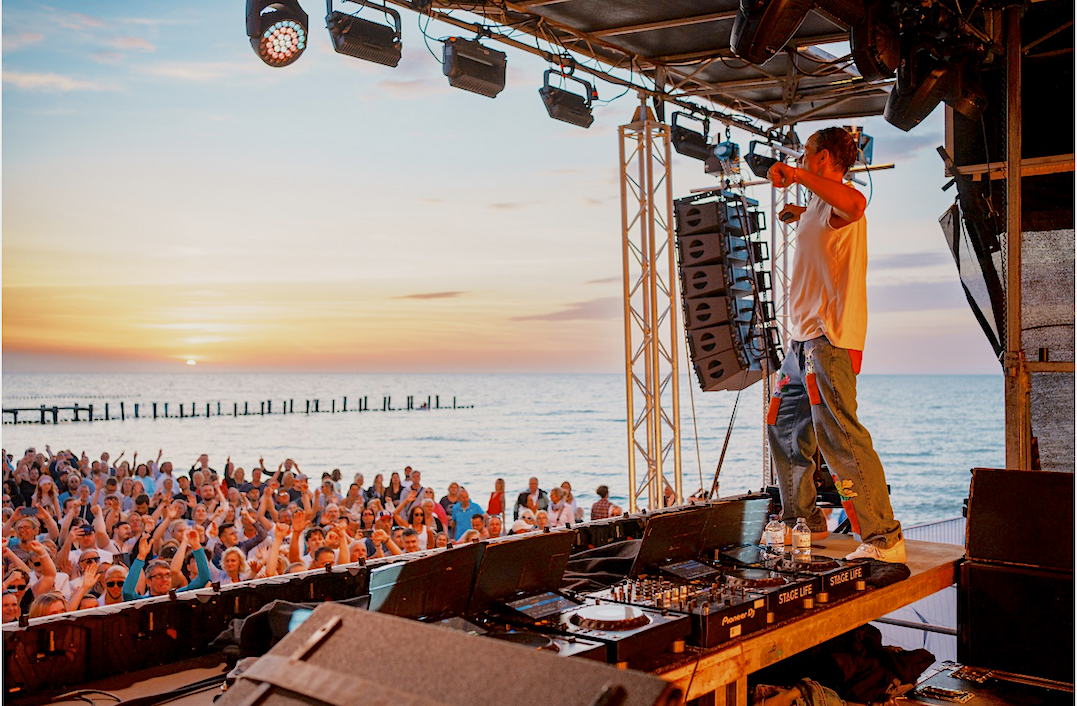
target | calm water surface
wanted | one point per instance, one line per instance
(928, 430)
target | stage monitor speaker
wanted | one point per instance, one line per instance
(1021, 517)
(338, 655)
(1015, 619)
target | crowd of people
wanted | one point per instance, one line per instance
(81, 533)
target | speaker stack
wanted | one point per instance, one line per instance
(1015, 591)
(725, 290)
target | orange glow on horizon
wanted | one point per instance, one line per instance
(320, 327)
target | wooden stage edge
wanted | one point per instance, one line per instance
(933, 568)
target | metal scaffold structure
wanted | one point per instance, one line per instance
(651, 331)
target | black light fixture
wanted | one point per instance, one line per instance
(565, 106)
(473, 67)
(874, 42)
(689, 142)
(923, 80)
(759, 164)
(277, 30)
(763, 27)
(363, 39)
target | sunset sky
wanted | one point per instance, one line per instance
(167, 197)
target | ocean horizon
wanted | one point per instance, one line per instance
(929, 430)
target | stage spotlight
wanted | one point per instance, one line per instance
(688, 142)
(277, 29)
(567, 107)
(364, 39)
(923, 80)
(759, 164)
(473, 67)
(874, 42)
(762, 27)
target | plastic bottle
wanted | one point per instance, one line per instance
(801, 540)
(775, 536)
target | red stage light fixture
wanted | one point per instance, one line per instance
(277, 30)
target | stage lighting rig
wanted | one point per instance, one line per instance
(277, 30)
(763, 27)
(363, 39)
(874, 42)
(473, 67)
(689, 142)
(759, 164)
(565, 106)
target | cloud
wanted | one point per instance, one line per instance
(588, 201)
(511, 206)
(49, 82)
(591, 310)
(132, 43)
(605, 280)
(13, 42)
(433, 295)
(200, 71)
(916, 296)
(905, 146)
(433, 201)
(413, 88)
(107, 57)
(77, 20)
(912, 260)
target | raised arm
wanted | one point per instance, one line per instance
(89, 578)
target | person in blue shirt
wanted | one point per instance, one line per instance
(462, 512)
(159, 572)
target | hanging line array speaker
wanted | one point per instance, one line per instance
(725, 290)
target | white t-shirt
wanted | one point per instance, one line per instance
(828, 292)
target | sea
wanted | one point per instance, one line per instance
(929, 430)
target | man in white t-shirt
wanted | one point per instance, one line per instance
(814, 401)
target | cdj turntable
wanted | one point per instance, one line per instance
(627, 631)
(717, 613)
(517, 587)
(836, 578)
(567, 646)
(788, 595)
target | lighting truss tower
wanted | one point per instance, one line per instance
(782, 240)
(651, 330)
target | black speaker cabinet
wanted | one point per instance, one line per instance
(1016, 620)
(347, 655)
(1021, 517)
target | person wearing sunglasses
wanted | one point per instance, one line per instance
(114, 579)
(159, 571)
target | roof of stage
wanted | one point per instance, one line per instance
(681, 47)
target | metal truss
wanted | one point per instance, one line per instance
(782, 241)
(651, 330)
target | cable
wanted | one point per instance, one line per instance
(426, 37)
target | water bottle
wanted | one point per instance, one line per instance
(774, 536)
(801, 540)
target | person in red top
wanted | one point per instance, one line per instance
(497, 499)
(601, 509)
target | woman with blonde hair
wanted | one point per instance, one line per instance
(51, 603)
(234, 565)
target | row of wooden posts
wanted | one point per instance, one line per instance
(42, 414)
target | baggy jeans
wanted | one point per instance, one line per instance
(814, 406)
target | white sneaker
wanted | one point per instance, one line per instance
(893, 555)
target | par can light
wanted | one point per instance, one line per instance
(277, 30)
(565, 106)
(689, 142)
(363, 39)
(473, 67)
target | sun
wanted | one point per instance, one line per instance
(192, 361)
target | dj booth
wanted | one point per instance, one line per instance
(684, 594)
